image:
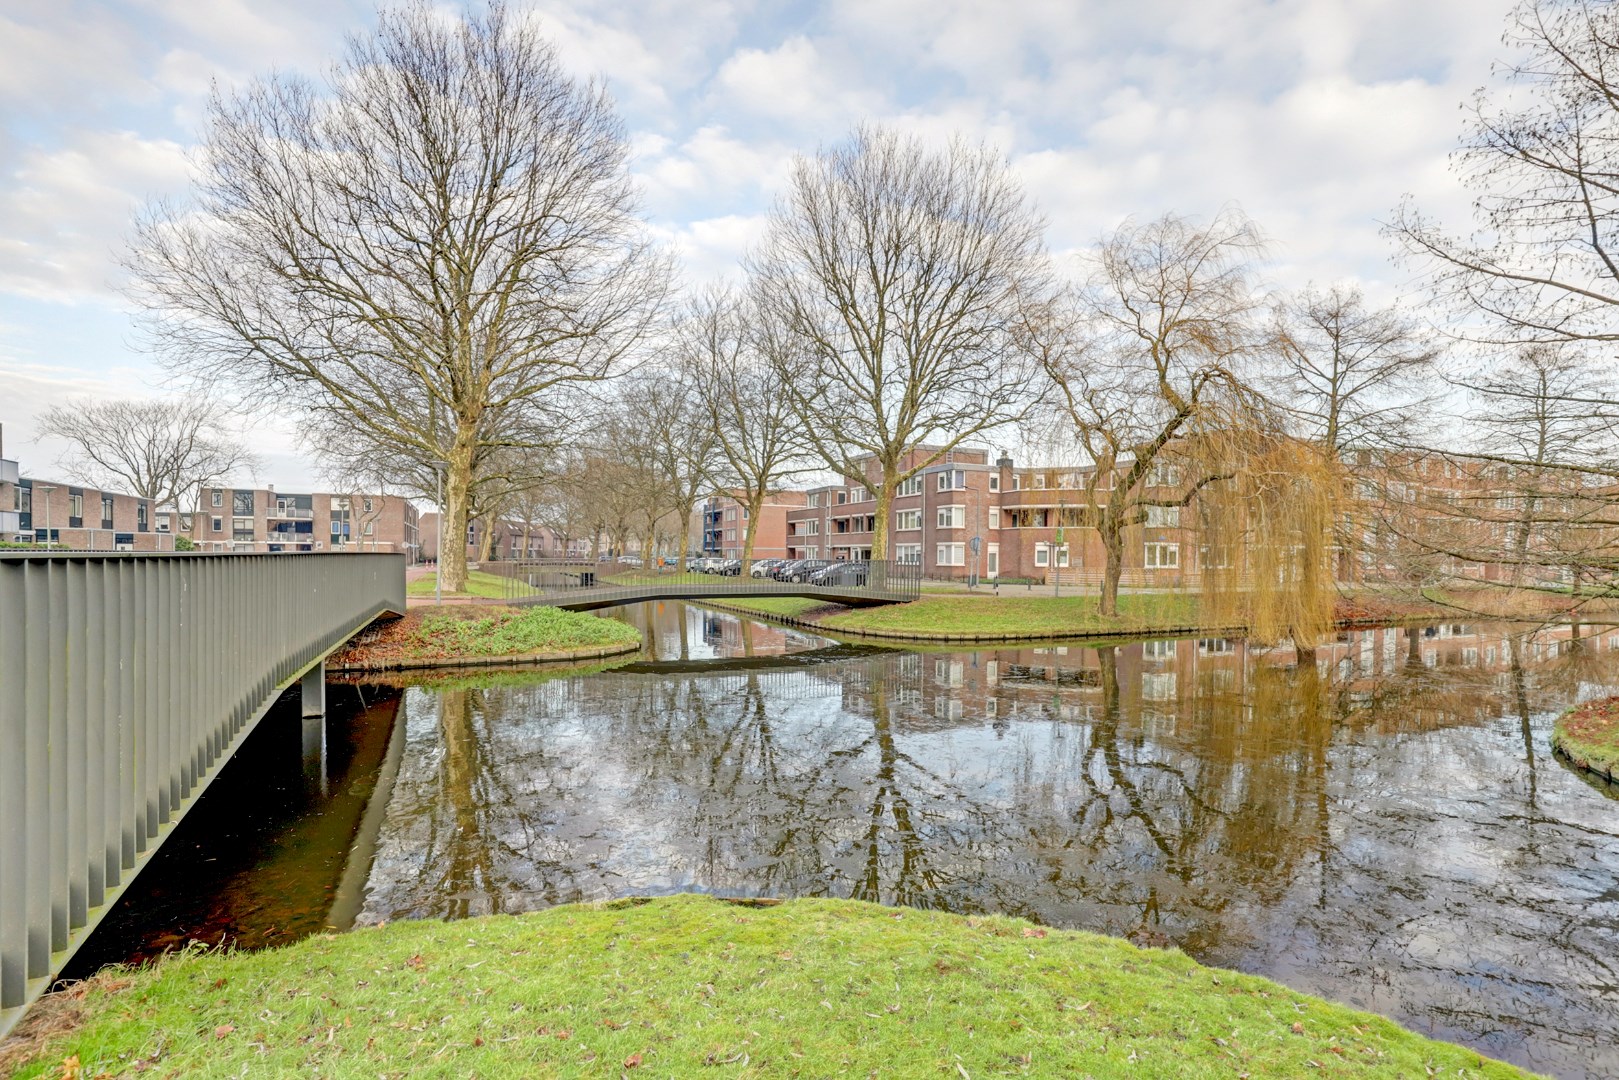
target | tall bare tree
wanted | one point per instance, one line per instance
(1352, 376)
(1154, 365)
(445, 229)
(723, 350)
(166, 450)
(1542, 152)
(897, 274)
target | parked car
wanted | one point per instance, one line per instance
(795, 570)
(843, 573)
(763, 567)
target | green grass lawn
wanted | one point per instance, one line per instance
(480, 583)
(481, 630)
(1013, 614)
(1589, 735)
(688, 986)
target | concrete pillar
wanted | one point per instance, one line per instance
(313, 690)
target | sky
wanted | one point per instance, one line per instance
(1313, 116)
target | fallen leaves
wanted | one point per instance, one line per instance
(223, 1029)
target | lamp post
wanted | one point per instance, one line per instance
(47, 489)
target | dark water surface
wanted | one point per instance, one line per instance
(1385, 828)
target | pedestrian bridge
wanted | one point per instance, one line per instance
(126, 681)
(584, 586)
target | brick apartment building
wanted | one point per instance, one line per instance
(511, 540)
(724, 525)
(1016, 515)
(60, 514)
(263, 519)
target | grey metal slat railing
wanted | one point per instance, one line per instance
(126, 680)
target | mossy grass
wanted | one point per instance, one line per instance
(448, 635)
(967, 614)
(685, 985)
(1589, 735)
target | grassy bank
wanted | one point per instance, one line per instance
(1032, 616)
(686, 985)
(480, 583)
(783, 607)
(459, 634)
(1589, 735)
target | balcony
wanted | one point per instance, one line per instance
(290, 513)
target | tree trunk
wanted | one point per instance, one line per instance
(457, 503)
(1113, 569)
(885, 499)
(648, 539)
(486, 541)
(755, 506)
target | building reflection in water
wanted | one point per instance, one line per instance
(1383, 827)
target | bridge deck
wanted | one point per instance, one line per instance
(583, 586)
(587, 599)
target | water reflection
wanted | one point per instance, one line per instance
(675, 631)
(1383, 826)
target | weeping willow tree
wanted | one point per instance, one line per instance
(1267, 538)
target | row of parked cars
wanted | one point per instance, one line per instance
(812, 571)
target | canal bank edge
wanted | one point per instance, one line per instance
(1588, 736)
(677, 984)
(809, 621)
(588, 652)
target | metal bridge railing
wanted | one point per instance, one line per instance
(126, 680)
(573, 582)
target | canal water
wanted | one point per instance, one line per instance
(1386, 828)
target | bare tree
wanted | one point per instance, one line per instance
(724, 350)
(897, 275)
(1352, 376)
(1542, 152)
(444, 230)
(1153, 365)
(164, 450)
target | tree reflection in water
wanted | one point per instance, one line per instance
(1377, 826)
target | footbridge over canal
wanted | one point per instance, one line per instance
(126, 681)
(585, 586)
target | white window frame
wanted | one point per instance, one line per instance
(994, 482)
(950, 555)
(907, 520)
(909, 554)
(953, 516)
(218, 498)
(1153, 553)
(1163, 517)
(913, 486)
(1042, 555)
(952, 480)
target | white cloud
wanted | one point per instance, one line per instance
(66, 211)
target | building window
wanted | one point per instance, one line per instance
(340, 503)
(910, 554)
(185, 523)
(1162, 556)
(241, 502)
(815, 498)
(951, 555)
(913, 486)
(994, 482)
(1042, 555)
(370, 527)
(140, 516)
(106, 508)
(843, 496)
(1158, 650)
(1163, 517)
(23, 499)
(994, 517)
(367, 505)
(730, 513)
(952, 480)
(218, 498)
(730, 535)
(75, 505)
(952, 517)
(1215, 558)
(218, 524)
(907, 519)
(1162, 475)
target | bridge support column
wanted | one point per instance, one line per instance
(312, 688)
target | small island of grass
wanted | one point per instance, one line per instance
(1589, 736)
(483, 634)
(687, 985)
(1014, 614)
